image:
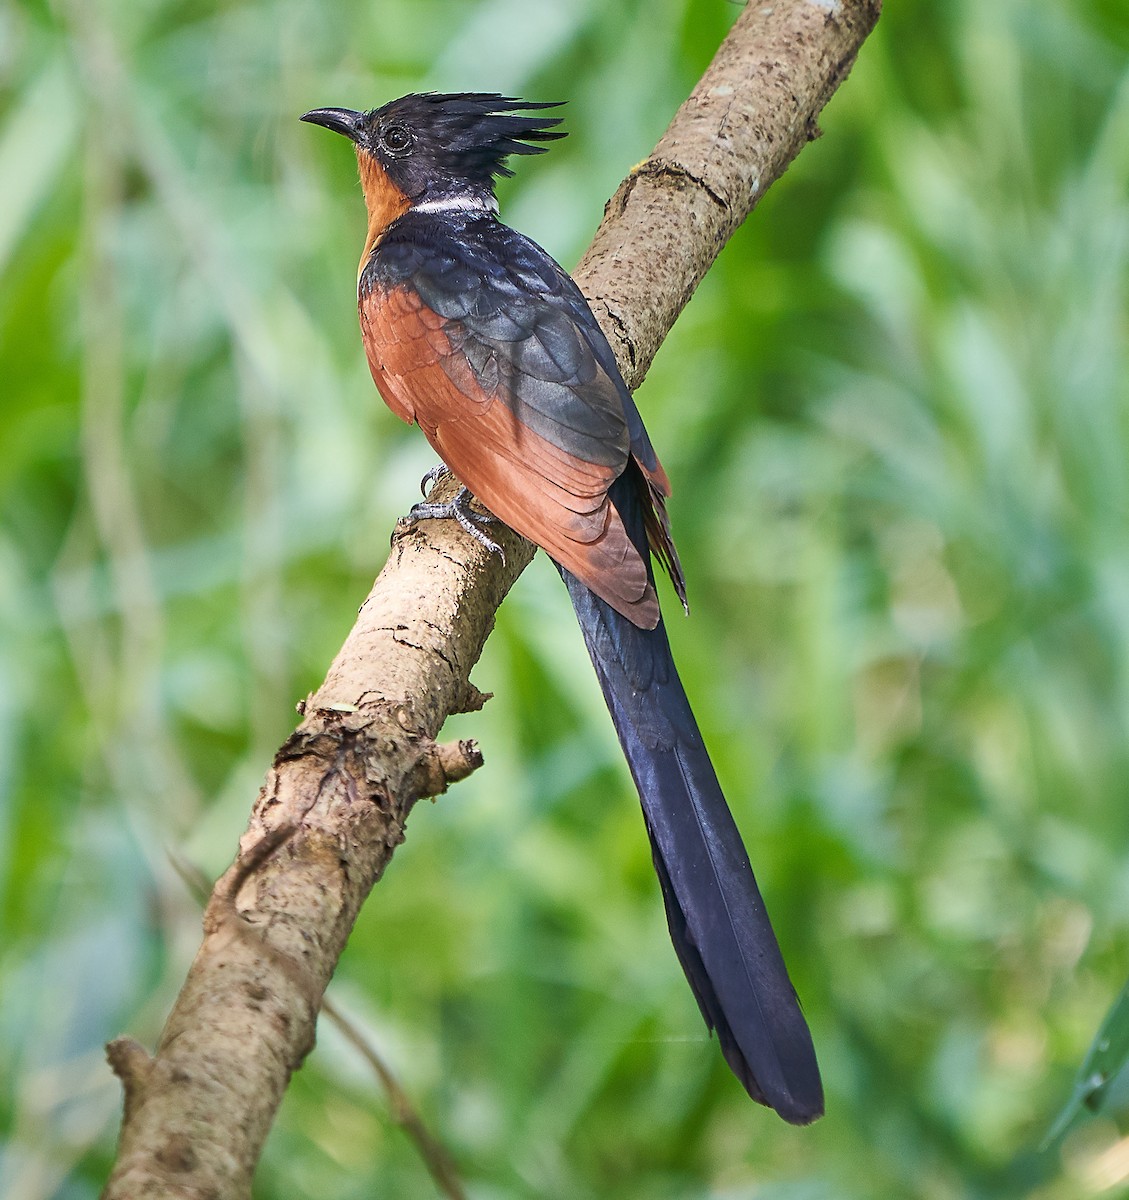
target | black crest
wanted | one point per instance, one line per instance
(433, 141)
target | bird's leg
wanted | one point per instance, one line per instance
(458, 507)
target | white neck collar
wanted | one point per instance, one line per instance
(483, 204)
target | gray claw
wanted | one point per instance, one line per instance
(437, 472)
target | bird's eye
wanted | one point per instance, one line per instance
(396, 139)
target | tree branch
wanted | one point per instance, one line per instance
(333, 807)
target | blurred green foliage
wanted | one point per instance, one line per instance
(897, 422)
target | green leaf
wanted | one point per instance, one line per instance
(1107, 1056)
(35, 142)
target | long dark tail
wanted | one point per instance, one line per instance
(717, 918)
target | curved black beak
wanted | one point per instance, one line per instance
(340, 120)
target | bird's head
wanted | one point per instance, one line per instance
(434, 147)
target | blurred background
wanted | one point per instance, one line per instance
(897, 423)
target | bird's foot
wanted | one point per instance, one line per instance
(458, 508)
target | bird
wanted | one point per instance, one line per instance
(473, 332)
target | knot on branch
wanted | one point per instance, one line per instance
(356, 752)
(470, 699)
(439, 766)
(130, 1062)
